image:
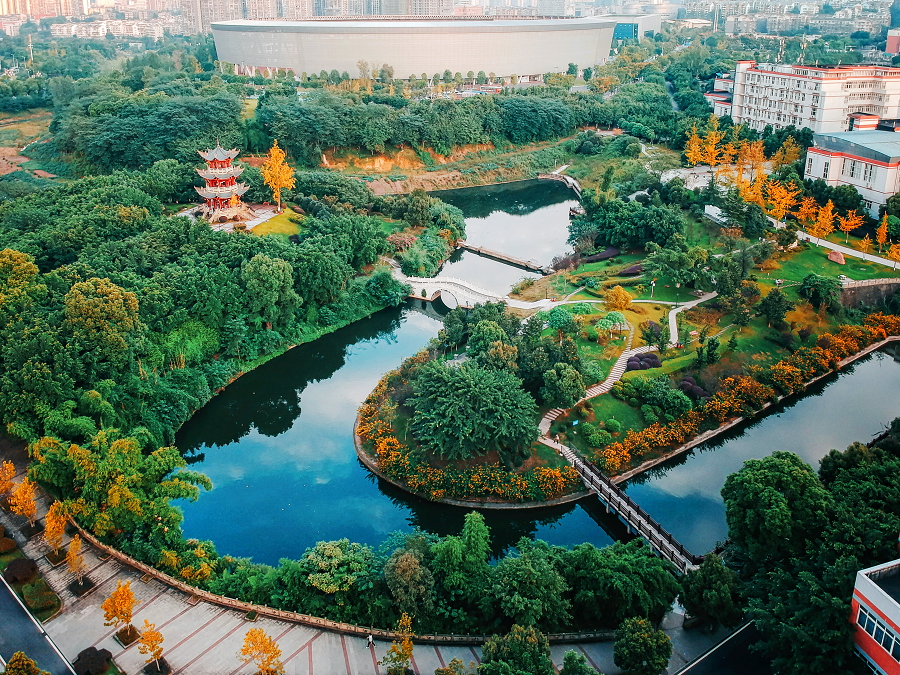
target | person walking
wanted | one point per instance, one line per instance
(370, 642)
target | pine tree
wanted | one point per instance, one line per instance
(277, 173)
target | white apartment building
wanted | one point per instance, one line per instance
(99, 29)
(822, 98)
(867, 160)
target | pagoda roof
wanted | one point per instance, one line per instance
(218, 153)
(223, 172)
(222, 192)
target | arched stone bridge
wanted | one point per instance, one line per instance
(466, 294)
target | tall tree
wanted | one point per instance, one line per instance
(881, 234)
(55, 526)
(263, 651)
(22, 501)
(151, 643)
(276, 172)
(75, 560)
(640, 648)
(711, 593)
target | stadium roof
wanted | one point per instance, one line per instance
(881, 146)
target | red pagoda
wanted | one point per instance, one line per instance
(222, 191)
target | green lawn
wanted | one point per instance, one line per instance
(279, 225)
(815, 259)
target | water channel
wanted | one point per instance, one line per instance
(277, 443)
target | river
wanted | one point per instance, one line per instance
(278, 447)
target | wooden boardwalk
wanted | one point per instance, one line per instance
(502, 257)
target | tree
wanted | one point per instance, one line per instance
(150, 643)
(75, 560)
(576, 664)
(7, 473)
(693, 148)
(20, 664)
(711, 593)
(775, 306)
(848, 223)
(820, 290)
(22, 501)
(55, 526)
(119, 606)
(865, 245)
(824, 222)
(562, 321)
(894, 253)
(461, 562)
(881, 234)
(523, 651)
(807, 212)
(563, 386)
(277, 174)
(640, 649)
(712, 153)
(469, 410)
(617, 299)
(263, 651)
(781, 197)
(399, 655)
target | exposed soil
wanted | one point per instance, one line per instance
(10, 160)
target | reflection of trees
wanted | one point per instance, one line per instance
(519, 198)
(507, 525)
(268, 398)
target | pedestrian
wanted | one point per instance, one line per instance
(370, 642)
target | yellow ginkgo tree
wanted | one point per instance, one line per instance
(277, 173)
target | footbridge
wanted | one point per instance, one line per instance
(503, 257)
(635, 518)
(466, 294)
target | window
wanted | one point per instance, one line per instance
(825, 170)
(809, 166)
(852, 171)
(880, 632)
(868, 172)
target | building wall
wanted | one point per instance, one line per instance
(525, 47)
(875, 181)
(867, 595)
(806, 96)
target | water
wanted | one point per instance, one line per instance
(856, 405)
(527, 220)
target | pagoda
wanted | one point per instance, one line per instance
(222, 192)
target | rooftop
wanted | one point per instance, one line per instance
(382, 23)
(881, 146)
(890, 584)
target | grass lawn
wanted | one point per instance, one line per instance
(795, 266)
(604, 407)
(7, 558)
(280, 225)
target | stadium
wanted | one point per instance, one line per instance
(524, 47)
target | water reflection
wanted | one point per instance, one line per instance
(684, 494)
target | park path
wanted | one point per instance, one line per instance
(846, 250)
(202, 638)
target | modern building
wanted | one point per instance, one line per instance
(822, 98)
(875, 613)
(523, 46)
(867, 160)
(635, 27)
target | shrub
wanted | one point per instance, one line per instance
(7, 545)
(38, 596)
(599, 437)
(633, 402)
(649, 414)
(613, 426)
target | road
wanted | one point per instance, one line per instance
(732, 657)
(19, 632)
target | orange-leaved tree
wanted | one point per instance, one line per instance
(865, 245)
(55, 526)
(263, 651)
(788, 153)
(617, 299)
(823, 225)
(119, 606)
(7, 473)
(150, 643)
(848, 223)
(807, 212)
(693, 149)
(894, 254)
(277, 173)
(781, 197)
(74, 559)
(712, 153)
(22, 501)
(399, 655)
(881, 234)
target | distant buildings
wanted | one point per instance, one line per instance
(99, 29)
(875, 611)
(822, 98)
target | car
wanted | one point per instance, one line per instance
(843, 277)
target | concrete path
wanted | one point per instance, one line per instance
(846, 250)
(204, 639)
(673, 315)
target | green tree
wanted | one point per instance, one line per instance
(562, 322)
(640, 649)
(409, 578)
(563, 386)
(711, 593)
(483, 336)
(775, 306)
(523, 651)
(820, 290)
(576, 664)
(270, 291)
(468, 410)
(461, 562)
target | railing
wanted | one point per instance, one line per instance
(869, 282)
(658, 537)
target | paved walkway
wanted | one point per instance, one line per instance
(846, 250)
(203, 639)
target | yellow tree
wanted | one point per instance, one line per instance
(894, 254)
(277, 173)
(712, 153)
(399, 655)
(753, 192)
(263, 651)
(693, 149)
(74, 559)
(865, 245)
(119, 607)
(752, 155)
(781, 198)
(823, 225)
(7, 473)
(617, 299)
(850, 223)
(807, 212)
(881, 234)
(150, 643)
(55, 526)
(788, 153)
(22, 501)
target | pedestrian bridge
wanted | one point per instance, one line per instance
(464, 294)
